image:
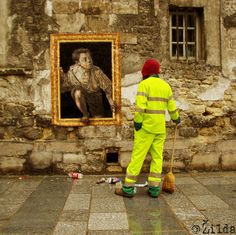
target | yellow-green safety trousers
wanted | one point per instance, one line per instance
(145, 142)
(153, 98)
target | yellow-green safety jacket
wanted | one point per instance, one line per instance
(153, 98)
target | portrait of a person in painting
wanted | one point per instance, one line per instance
(87, 83)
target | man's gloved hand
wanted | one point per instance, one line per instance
(177, 121)
(137, 125)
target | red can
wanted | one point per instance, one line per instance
(76, 175)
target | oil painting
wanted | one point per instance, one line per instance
(85, 79)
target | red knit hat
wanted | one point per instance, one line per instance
(150, 67)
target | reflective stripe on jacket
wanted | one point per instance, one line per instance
(153, 98)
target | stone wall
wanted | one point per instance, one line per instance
(204, 90)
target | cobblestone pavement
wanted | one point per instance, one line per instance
(203, 203)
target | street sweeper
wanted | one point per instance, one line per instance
(154, 97)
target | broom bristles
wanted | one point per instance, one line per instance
(169, 183)
(169, 179)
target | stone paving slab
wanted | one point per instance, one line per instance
(187, 213)
(167, 233)
(153, 222)
(74, 216)
(177, 200)
(226, 193)
(161, 233)
(190, 213)
(40, 212)
(219, 216)
(78, 202)
(27, 221)
(194, 189)
(53, 184)
(6, 210)
(211, 174)
(218, 189)
(143, 204)
(6, 183)
(148, 215)
(185, 180)
(220, 180)
(108, 221)
(231, 201)
(104, 190)
(204, 202)
(204, 205)
(83, 185)
(18, 191)
(71, 228)
(110, 232)
(107, 205)
(60, 205)
(13, 184)
(14, 192)
(40, 204)
(34, 229)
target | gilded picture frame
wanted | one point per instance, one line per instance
(80, 103)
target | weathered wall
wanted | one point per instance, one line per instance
(204, 90)
(3, 31)
(228, 35)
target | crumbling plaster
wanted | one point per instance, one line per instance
(217, 91)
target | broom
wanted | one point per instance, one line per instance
(169, 179)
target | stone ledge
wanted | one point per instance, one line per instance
(179, 143)
(15, 149)
(41, 160)
(228, 161)
(226, 146)
(62, 146)
(206, 161)
(74, 158)
(11, 164)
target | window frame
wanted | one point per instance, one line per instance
(197, 28)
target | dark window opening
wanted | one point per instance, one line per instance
(112, 158)
(186, 32)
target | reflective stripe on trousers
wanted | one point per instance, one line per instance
(145, 142)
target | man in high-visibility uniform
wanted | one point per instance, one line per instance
(153, 98)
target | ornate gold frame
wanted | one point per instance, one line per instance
(56, 39)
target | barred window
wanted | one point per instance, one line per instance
(186, 36)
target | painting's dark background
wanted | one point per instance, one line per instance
(101, 53)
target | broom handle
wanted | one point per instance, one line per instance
(173, 150)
